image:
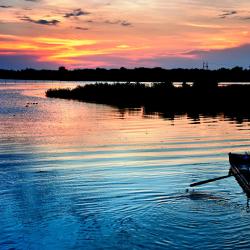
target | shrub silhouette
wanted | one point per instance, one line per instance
(162, 96)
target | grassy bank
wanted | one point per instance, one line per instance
(162, 96)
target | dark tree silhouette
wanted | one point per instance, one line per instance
(199, 76)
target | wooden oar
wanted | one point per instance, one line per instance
(210, 180)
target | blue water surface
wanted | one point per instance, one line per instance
(85, 176)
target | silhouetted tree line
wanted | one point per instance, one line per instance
(123, 74)
(204, 96)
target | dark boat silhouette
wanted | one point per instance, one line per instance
(239, 168)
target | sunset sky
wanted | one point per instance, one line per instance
(129, 33)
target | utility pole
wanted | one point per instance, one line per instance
(205, 65)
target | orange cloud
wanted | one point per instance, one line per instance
(60, 50)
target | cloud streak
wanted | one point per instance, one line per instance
(245, 18)
(22, 61)
(76, 13)
(226, 14)
(81, 28)
(5, 6)
(40, 21)
(120, 22)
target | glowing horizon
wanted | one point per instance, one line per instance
(143, 33)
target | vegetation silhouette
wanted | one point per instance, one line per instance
(163, 97)
(236, 74)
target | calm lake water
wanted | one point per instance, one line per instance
(85, 176)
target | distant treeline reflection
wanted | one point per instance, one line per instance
(195, 117)
(202, 96)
